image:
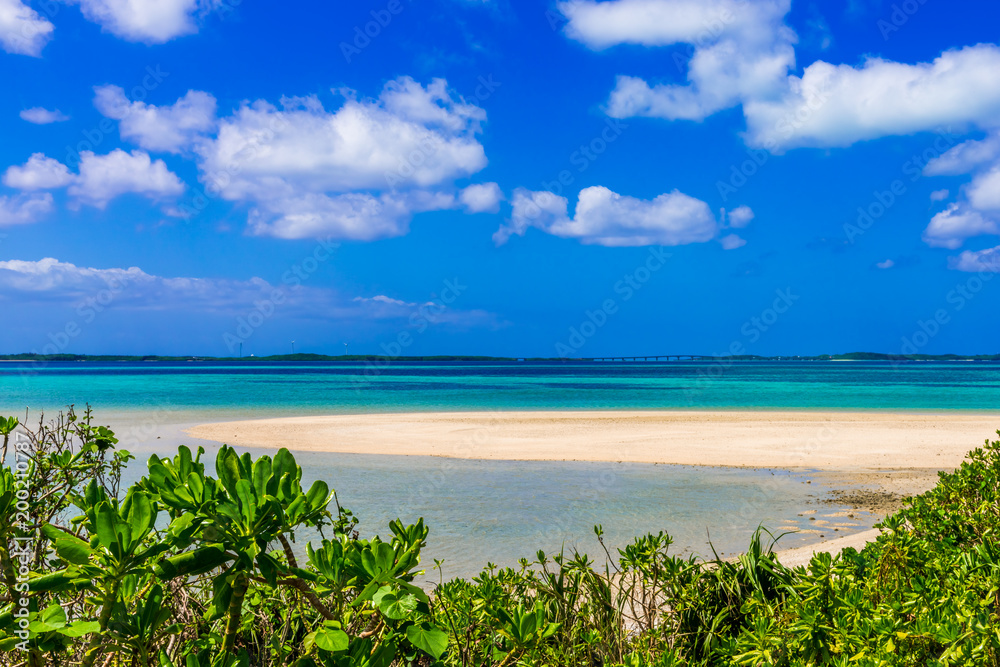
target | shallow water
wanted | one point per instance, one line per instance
(499, 511)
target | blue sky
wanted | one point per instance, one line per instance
(583, 178)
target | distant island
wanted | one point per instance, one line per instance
(306, 357)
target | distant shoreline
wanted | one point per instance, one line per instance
(374, 358)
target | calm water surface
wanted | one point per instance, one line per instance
(500, 511)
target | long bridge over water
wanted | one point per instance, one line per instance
(665, 357)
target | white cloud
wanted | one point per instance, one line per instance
(979, 209)
(382, 298)
(53, 281)
(359, 172)
(977, 260)
(38, 173)
(22, 29)
(742, 53)
(148, 21)
(887, 264)
(481, 198)
(740, 217)
(42, 116)
(357, 216)
(965, 157)
(939, 195)
(382, 307)
(739, 50)
(606, 218)
(101, 177)
(732, 242)
(600, 25)
(104, 177)
(950, 228)
(984, 191)
(838, 105)
(24, 209)
(171, 129)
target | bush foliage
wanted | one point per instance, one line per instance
(187, 569)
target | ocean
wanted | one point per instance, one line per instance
(500, 511)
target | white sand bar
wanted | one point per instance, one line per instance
(842, 441)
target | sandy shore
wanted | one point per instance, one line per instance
(802, 555)
(831, 441)
(866, 460)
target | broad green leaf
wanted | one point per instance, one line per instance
(196, 485)
(331, 639)
(284, 463)
(81, 628)
(268, 567)
(248, 503)
(261, 475)
(191, 563)
(317, 495)
(428, 638)
(106, 524)
(385, 555)
(139, 513)
(228, 468)
(51, 618)
(398, 608)
(54, 581)
(73, 550)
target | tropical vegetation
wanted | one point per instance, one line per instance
(197, 565)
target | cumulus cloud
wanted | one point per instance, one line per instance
(738, 50)
(104, 177)
(23, 30)
(101, 177)
(739, 217)
(42, 116)
(358, 172)
(940, 195)
(965, 157)
(978, 210)
(606, 218)
(984, 191)
(38, 173)
(24, 209)
(148, 21)
(977, 260)
(838, 105)
(481, 198)
(171, 129)
(742, 53)
(950, 228)
(887, 264)
(732, 242)
(355, 215)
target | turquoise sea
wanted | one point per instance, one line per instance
(499, 511)
(260, 389)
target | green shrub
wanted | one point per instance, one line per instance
(188, 570)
